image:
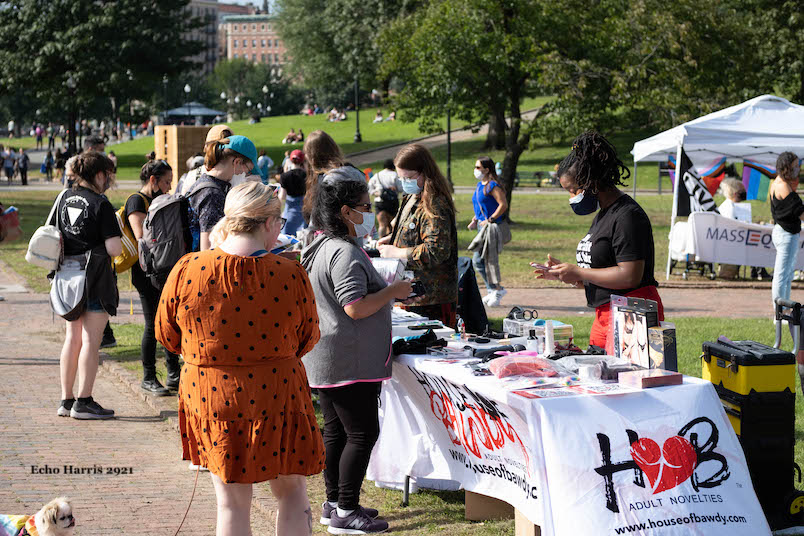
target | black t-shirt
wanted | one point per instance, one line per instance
(136, 203)
(86, 220)
(787, 212)
(619, 233)
(294, 182)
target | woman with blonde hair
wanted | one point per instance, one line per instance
(424, 233)
(243, 318)
(322, 154)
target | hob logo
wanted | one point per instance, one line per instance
(688, 455)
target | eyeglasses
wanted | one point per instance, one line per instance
(518, 313)
(366, 206)
(284, 221)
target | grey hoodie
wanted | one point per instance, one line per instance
(350, 350)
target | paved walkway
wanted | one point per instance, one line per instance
(150, 500)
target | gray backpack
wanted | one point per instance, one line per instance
(166, 234)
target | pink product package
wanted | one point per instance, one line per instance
(523, 364)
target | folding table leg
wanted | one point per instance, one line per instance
(406, 492)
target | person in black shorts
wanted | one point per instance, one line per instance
(87, 222)
(156, 176)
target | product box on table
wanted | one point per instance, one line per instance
(662, 346)
(643, 379)
(521, 328)
(631, 319)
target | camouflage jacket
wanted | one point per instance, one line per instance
(434, 254)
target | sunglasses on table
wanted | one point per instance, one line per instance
(517, 313)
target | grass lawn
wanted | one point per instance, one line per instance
(268, 134)
(433, 512)
(544, 224)
(26, 142)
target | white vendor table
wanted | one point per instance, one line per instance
(573, 460)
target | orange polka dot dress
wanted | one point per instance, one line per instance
(242, 325)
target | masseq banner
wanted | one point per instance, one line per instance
(664, 462)
(724, 240)
(439, 428)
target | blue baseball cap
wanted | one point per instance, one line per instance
(244, 146)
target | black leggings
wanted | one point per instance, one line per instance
(149, 297)
(351, 427)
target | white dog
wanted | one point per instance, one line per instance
(54, 519)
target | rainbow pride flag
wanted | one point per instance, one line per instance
(756, 179)
(712, 176)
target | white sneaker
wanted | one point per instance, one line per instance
(194, 467)
(493, 298)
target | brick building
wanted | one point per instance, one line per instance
(207, 33)
(252, 37)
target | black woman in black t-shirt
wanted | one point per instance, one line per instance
(617, 255)
(87, 222)
(156, 177)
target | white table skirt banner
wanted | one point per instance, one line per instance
(724, 240)
(574, 460)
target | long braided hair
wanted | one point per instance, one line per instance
(594, 164)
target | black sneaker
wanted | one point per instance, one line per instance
(108, 342)
(152, 386)
(358, 522)
(90, 410)
(65, 407)
(173, 380)
(327, 509)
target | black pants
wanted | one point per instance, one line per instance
(149, 297)
(24, 176)
(351, 427)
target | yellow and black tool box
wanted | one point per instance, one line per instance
(745, 366)
(756, 384)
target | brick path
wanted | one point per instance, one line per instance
(150, 501)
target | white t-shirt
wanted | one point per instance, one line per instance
(385, 179)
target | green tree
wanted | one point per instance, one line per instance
(334, 41)
(474, 56)
(245, 79)
(614, 64)
(116, 50)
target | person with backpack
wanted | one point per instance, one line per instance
(235, 156)
(156, 176)
(384, 187)
(217, 132)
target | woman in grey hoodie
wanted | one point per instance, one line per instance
(353, 356)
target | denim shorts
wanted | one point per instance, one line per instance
(95, 306)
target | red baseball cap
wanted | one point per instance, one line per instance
(297, 157)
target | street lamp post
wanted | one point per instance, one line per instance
(237, 104)
(265, 97)
(165, 98)
(358, 137)
(71, 116)
(187, 90)
(450, 91)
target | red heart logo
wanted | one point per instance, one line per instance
(667, 467)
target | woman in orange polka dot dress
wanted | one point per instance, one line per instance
(242, 319)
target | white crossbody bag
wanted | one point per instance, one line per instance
(46, 246)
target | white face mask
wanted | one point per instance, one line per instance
(478, 174)
(365, 228)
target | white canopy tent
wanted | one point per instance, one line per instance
(758, 129)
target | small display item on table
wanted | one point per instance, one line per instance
(631, 319)
(643, 379)
(662, 346)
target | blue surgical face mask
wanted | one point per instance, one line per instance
(411, 186)
(365, 228)
(584, 203)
